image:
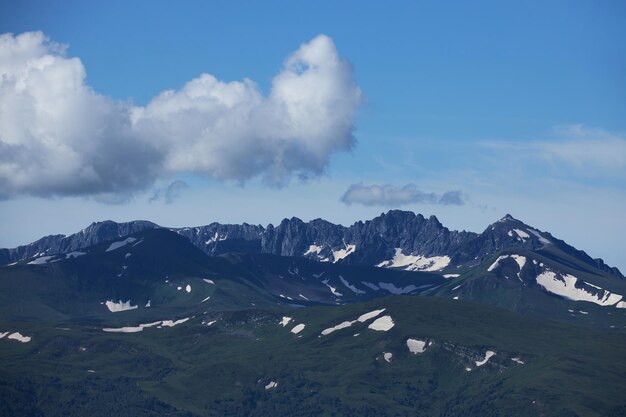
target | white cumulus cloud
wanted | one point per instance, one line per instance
(391, 196)
(60, 137)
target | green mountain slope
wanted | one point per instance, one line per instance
(194, 369)
(160, 268)
(545, 283)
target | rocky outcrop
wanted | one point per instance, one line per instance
(371, 242)
(93, 234)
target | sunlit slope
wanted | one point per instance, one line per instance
(407, 356)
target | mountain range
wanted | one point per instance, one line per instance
(393, 316)
(397, 238)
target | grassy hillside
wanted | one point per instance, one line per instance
(196, 369)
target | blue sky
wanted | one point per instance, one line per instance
(520, 106)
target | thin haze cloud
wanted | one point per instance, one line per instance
(59, 137)
(592, 151)
(390, 196)
(170, 193)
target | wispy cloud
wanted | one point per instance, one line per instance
(586, 148)
(59, 137)
(391, 196)
(592, 151)
(169, 193)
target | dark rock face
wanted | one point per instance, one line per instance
(412, 233)
(506, 233)
(364, 243)
(376, 240)
(216, 238)
(95, 233)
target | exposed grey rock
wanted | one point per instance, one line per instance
(93, 234)
(375, 240)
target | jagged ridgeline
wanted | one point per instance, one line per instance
(397, 239)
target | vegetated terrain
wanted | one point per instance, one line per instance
(152, 325)
(76, 368)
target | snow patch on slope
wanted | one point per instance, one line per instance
(342, 253)
(362, 319)
(298, 328)
(342, 325)
(382, 324)
(216, 238)
(139, 328)
(313, 249)
(116, 245)
(541, 238)
(488, 356)
(572, 288)
(271, 385)
(416, 346)
(496, 263)
(119, 306)
(332, 289)
(365, 317)
(130, 329)
(522, 235)
(350, 286)
(397, 290)
(521, 261)
(415, 262)
(18, 337)
(41, 260)
(172, 323)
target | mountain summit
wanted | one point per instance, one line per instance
(396, 239)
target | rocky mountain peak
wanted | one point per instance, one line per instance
(373, 242)
(507, 217)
